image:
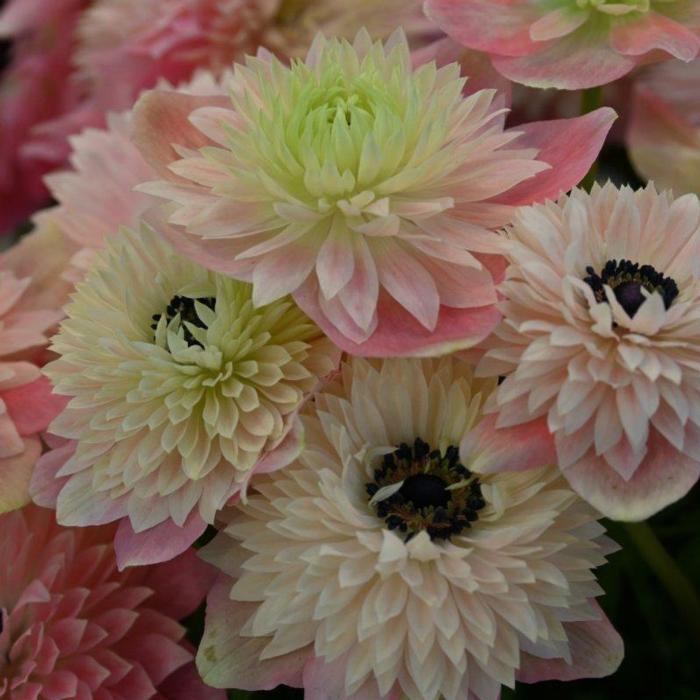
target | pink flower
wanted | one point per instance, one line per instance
(26, 403)
(32, 292)
(34, 89)
(364, 188)
(601, 342)
(664, 130)
(73, 627)
(568, 44)
(126, 46)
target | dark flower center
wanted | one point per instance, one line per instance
(438, 495)
(627, 279)
(185, 306)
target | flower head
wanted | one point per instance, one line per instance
(382, 561)
(600, 335)
(663, 137)
(71, 626)
(126, 46)
(178, 389)
(571, 44)
(363, 187)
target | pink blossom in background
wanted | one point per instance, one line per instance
(600, 343)
(664, 131)
(315, 180)
(568, 44)
(34, 88)
(27, 405)
(73, 627)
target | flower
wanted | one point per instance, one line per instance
(97, 196)
(664, 132)
(363, 188)
(34, 88)
(298, 21)
(571, 44)
(600, 341)
(179, 392)
(26, 403)
(71, 626)
(381, 562)
(126, 46)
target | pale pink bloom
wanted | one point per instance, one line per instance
(601, 341)
(383, 563)
(664, 131)
(26, 403)
(126, 46)
(366, 189)
(178, 391)
(571, 44)
(33, 89)
(72, 627)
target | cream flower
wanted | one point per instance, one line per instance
(602, 337)
(362, 186)
(381, 561)
(179, 388)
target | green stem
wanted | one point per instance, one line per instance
(591, 100)
(676, 583)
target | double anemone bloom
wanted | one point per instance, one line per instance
(571, 44)
(72, 627)
(365, 188)
(383, 562)
(601, 340)
(180, 389)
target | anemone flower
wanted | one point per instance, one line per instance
(72, 626)
(180, 390)
(362, 187)
(600, 341)
(382, 563)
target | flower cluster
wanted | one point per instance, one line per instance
(312, 331)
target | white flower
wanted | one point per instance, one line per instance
(380, 560)
(178, 385)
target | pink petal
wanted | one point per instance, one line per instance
(596, 651)
(157, 544)
(216, 255)
(557, 23)
(398, 334)
(326, 681)
(180, 584)
(494, 26)
(158, 655)
(654, 31)
(525, 446)
(185, 684)
(15, 475)
(664, 476)
(474, 65)
(161, 119)
(570, 146)
(33, 406)
(45, 485)
(570, 63)
(226, 660)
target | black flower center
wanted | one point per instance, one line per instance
(438, 495)
(627, 279)
(185, 306)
